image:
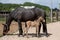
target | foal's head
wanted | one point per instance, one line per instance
(39, 19)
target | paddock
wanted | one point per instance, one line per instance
(53, 30)
(13, 33)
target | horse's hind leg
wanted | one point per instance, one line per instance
(45, 28)
(20, 28)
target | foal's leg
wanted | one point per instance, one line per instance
(27, 28)
(39, 28)
(23, 28)
(37, 31)
(20, 28)
(27, 31)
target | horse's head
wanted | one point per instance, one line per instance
(4, 25)
(4, 29)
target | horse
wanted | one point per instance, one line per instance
(21, 14)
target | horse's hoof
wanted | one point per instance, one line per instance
(4, 33)
(47, 35)
(23, 35)
(20, 34)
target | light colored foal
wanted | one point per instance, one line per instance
(33, 24)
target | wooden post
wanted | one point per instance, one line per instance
(57, 15)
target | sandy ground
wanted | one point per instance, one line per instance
(53, 30)
(13, 27)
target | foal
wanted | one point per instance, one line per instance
(33, 24)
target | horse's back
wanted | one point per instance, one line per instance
(28, 15)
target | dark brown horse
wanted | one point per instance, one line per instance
(23, 15)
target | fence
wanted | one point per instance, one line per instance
(56, 16)
(3, 15)
(14, 26)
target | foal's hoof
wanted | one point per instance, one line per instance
(18, 35)
(23, 35)
(38, 35)
(27, 36)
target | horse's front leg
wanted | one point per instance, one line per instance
(7, 25)
(45, 28)
(20, 28)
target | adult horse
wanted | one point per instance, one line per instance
(23, 15)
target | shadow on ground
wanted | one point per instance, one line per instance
(31, 34)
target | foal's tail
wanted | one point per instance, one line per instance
(45, 16)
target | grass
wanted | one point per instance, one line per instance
(48, 20)
(2, 19)
(1, 35)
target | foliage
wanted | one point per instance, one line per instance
(37, 5)
(9, 7)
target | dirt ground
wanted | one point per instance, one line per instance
(53, 31)
(13, 28)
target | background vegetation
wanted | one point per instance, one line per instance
(9, 7)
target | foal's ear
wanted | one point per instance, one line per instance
(3, 24)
